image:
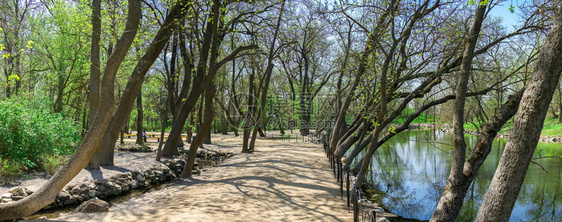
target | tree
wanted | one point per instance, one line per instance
(504, 188)
(95, 73)
(140, 117)
(47, 193)
(307, 61)
(175, 15)
(455, 175)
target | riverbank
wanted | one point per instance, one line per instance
(553, 136)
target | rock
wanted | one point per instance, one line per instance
(101, 182)
(70, 201)
(125, 187)
(80, 189)
(115, 188)
(70, 186)
(93, 205)
(6, 198)
(134, 184)
(28, 191)
(79, 198)
(16, 198)
(101, 188)
(92, 194)
(17, 191)
(6, 195)
(64, 195)
(139, 178)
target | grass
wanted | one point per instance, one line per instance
(550, 128)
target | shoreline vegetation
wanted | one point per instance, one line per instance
(553, 135)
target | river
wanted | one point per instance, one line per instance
(411, 170)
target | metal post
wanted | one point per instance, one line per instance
(373, 216)
(355, 206)
(341, 179)
(347, 186)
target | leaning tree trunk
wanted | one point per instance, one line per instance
(448, 209)
(48, 192)
(170, 148)
(268, 72)
(175, 15)
(504, 188)
(202, 131)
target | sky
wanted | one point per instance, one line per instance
(502, 10)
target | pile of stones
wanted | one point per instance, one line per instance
(118, 184)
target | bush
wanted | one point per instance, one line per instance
(31, 133)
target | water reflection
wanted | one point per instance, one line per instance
(412, 169)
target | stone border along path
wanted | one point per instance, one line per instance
(280, 181)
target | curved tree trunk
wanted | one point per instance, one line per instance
(205, 127)
(48, 192)
(107, 146)
(504, 188)
(447, 209)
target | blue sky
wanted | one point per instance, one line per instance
(502, 10)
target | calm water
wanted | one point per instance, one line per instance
(412, 168)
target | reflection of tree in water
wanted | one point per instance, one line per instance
(412, 168)
(541, 195)
(410, 174)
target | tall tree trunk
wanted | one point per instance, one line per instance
(176, 14)
(202, 131)
(267, 79)
(504, 188)
(190, 130)
(95, 74)
(140, 130)
(47, 193)
(448, 209)
(170, 148)
(163, 128)
(559, 103)
(248, 118)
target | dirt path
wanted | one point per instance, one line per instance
(279, 182)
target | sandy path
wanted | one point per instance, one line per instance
(279, 182)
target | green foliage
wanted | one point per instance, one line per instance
(32, 136)
(51, 163)
(551, 128)
(423, 118)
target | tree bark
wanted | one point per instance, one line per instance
(95, 74)
(205, 127)
(504, 188)
(176, 14)
(48, 192)
(170, 148)
(454, 181)
(267, 79)
(140, 130)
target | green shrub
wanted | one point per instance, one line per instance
(30, 133)
(51, 163)
(8, 169)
